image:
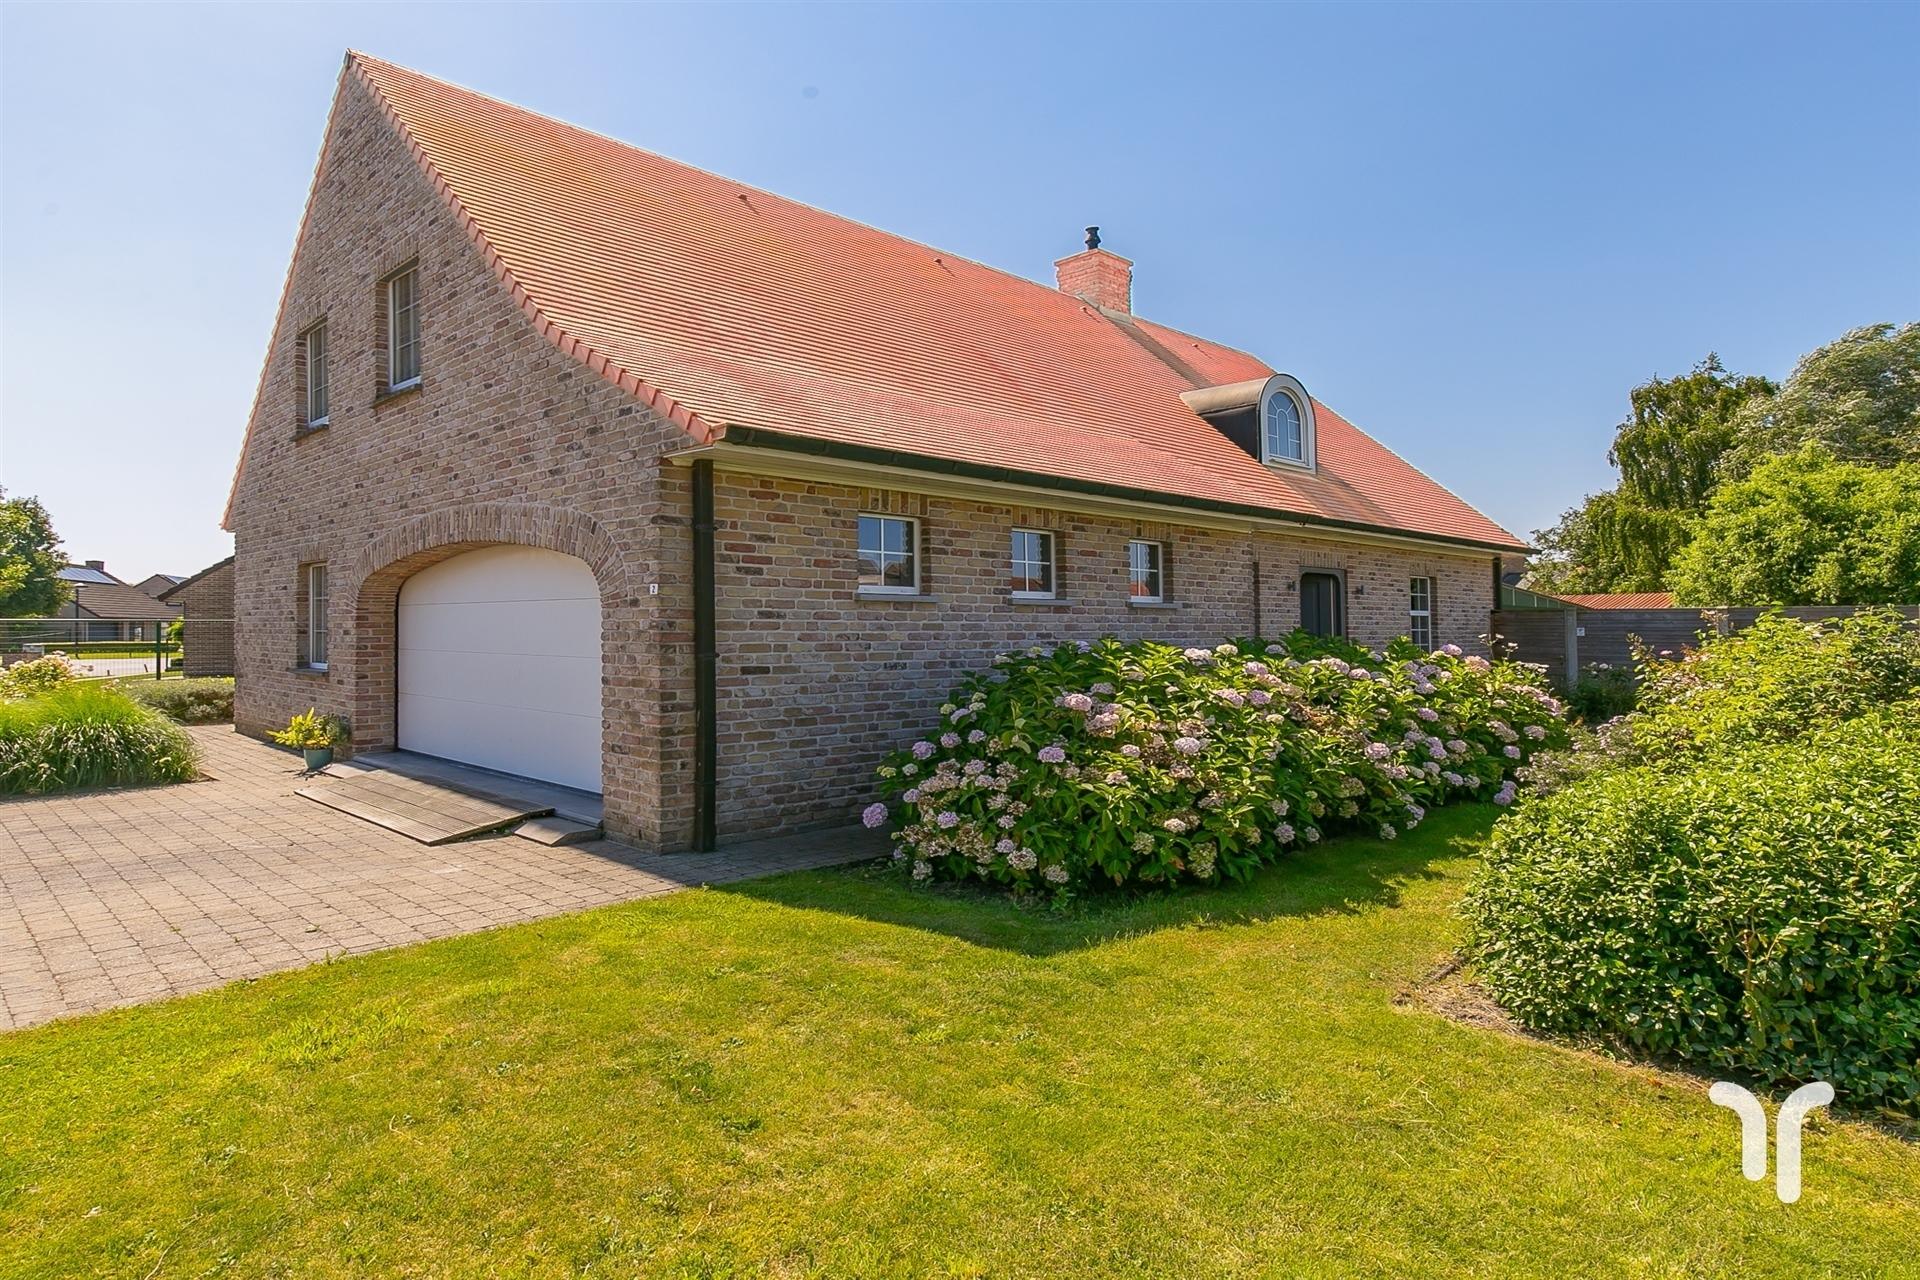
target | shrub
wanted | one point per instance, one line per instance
(1601, 693)
(1142, 763)
(25, 679)
(1773, 682)
(1757, 912)
(88, 735)
(206, 700)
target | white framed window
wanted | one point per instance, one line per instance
(403, 329)
(314, 342)
(1032, 565)
(314, 635)
(1420, 612)
(889, 555)
(1145, 572)
(1286, 423)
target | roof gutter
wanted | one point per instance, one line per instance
(777, 441)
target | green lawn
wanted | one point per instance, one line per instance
(834, 1074)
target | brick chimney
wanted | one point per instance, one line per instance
(1102, 278)
(101, 565)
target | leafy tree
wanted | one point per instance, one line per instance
(29, 558)
(1858, 397)
(1667, 453)
(1807, 528)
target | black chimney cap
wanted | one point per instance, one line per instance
(1093, 237)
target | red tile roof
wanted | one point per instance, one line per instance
(731, 307)
(1622, 600)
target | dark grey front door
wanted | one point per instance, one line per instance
(1322, 611)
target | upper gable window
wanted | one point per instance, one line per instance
(403, 329)
(313, 350)
(1286, 422)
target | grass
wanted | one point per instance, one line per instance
(81, 735)
(835, 1074)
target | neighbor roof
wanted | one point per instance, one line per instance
(116, 601)
(729, 307)
(1622, 600)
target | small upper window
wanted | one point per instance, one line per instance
(889, 563)
(1286, 437)
(1420, 612)
(315, 353)
(1032, 564)
(1144, 584)
(1286, 422)
(403, 329)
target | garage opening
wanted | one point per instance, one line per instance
(499, 664)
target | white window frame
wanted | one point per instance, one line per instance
(1289, 386)
(913, 542)
(410, 275)
(1052, 563)
(314, 352)
(316, 588)
(1158, 570)
(1417, 616)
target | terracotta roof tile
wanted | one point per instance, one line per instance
(732, 307)
(1622, 600)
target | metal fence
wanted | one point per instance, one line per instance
(116, 648)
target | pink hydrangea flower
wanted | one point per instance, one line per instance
(1052, 754)
(1189, 746)
(1076, 702)
(1513, 753)
(874, 815)
(947, 820)
(949, 740)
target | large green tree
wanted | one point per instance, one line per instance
(29, 558)
(1667, 454)
(1858, 397)
(1807, 528)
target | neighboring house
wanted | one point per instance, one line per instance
(109, 608)
(573, 461)
(158, 584)
(206, 603)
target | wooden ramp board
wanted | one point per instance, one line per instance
(430, 812)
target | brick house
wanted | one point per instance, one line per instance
(205, 601)
(572, 461)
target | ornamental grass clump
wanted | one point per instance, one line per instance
(89, 735)
(1115, 764)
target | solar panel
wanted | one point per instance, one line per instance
(80, 573)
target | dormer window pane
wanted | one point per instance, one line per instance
(1285, 439)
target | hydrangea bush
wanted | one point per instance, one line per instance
(1112, 763)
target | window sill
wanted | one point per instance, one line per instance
(1038, 600)
(1155, 604)
(400, 392)
(312, 429)
(307, 669)
(896, 597)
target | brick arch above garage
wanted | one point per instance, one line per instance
(370, 590)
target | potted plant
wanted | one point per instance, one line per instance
(315, 735)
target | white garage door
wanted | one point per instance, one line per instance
(499, 664)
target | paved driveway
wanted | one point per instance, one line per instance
(116, 897)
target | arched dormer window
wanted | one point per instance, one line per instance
(1286, 422)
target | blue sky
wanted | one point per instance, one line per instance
(1469, 229)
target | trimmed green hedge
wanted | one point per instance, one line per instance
(1730, 876)
(89, 735)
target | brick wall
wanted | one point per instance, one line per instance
(207, 602)
(506, 439)
(816, 682)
